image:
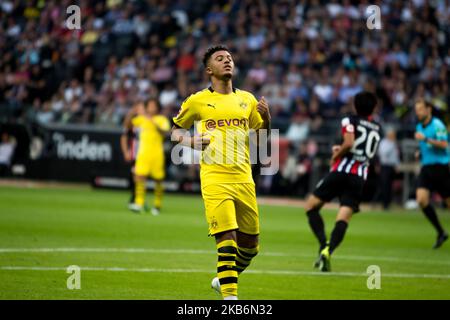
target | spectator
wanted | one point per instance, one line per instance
(388, 153)
(7, 146)
(298, 130)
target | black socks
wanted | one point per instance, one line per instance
(430, 213)
(317, 226)
(338, 234)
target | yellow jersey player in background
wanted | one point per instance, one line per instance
(129, 144)
(227, 187)
(151, 128)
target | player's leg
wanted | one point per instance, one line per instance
(142, 170)
(433, 178)
(351, 191)
(221, 217)
(444, 236)
(227, 273)
(342, 220)
(247, 217)
(248, 248)
(158, 174)
(423, 199)
(443, 188)
(337, 235)
(158, 195)
(132, 184)
(139, 191)
(312, 207)
(327, 188)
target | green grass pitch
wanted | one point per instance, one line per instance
(128, 256)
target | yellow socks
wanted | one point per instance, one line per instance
(244, 256)
(159, 190)
(226, 268)
(140, 192)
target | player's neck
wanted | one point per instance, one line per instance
(426, 121)
(222, 86)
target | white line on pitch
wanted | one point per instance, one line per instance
(193, 251)
(272, 272)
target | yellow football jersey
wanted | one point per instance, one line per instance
(150, 139)
(226, 118)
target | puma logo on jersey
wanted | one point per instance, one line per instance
(211, 105)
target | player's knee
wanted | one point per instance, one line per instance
(253, 252)
(227, 235)
(422, 201)
(312, 203)
(248, 253)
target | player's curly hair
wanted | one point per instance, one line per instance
(211, 50)
(154, 99)
(365, 102)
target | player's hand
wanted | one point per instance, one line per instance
(335, 149)
(263, 108)
(417, 155)
(200, 141)
(419, 136)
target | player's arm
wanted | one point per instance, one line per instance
(124, 146)
(346, 146)
(127, 123)
(264, 111)
(438, 143)
(183, 122)
(260, 119)
(183, 137)
(162, 128)
(128, 126)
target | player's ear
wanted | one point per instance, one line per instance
(208, 71)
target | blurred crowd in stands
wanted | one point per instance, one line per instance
(307, 57)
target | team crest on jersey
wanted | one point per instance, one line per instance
(213, 224)
(243, 105)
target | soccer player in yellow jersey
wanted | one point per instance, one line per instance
(152, 128)
(227, 187)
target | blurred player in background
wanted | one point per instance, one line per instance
(228, 189)
(434, 157)
(129, 144)
(152, 129)
(349, 169)
(389, 155)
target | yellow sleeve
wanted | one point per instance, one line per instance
(137, 121)
(187, 114)
(162, 123)
(255, 120)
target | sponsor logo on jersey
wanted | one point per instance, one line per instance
(212, 124)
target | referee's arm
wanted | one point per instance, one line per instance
(442, 144)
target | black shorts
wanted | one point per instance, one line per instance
(435, 177)
(348, 187)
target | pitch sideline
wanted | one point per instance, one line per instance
(194, 251)
(272, 272)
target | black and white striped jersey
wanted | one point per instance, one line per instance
(367, 138)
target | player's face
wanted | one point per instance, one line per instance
(152, 108)
(422, 112)
(221, 65)
(140, 109)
